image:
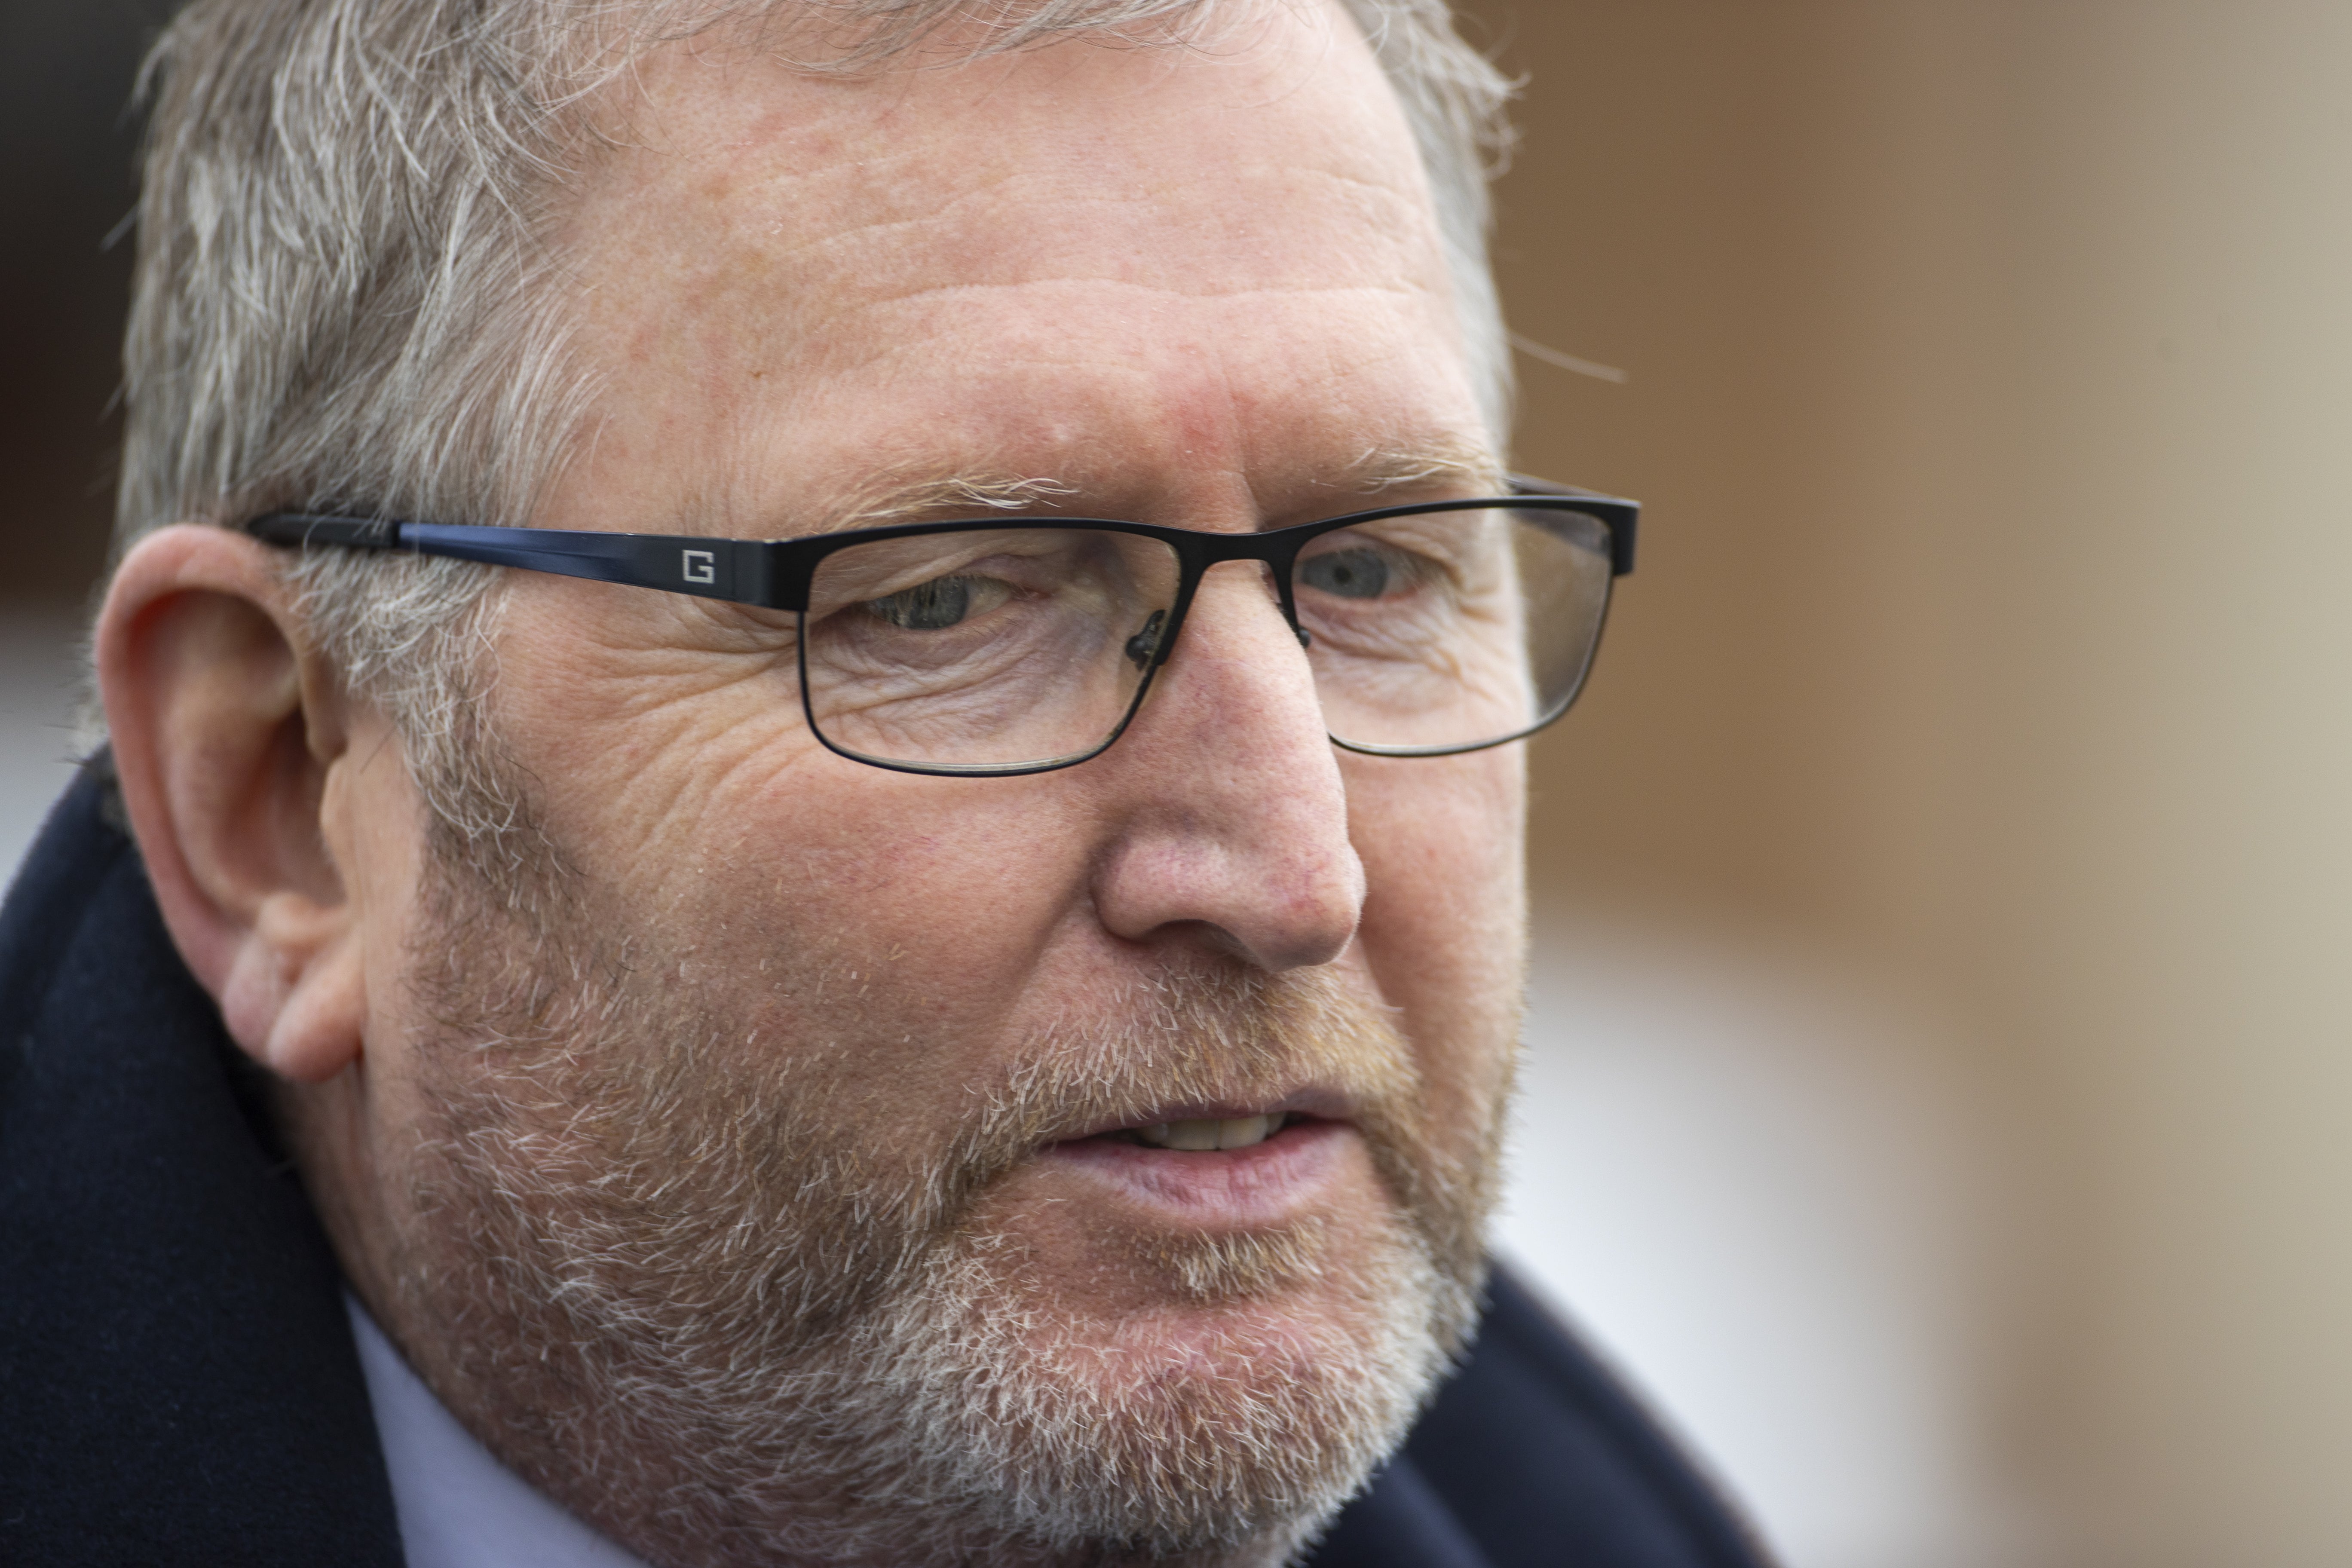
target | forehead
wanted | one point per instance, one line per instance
(1164, 277)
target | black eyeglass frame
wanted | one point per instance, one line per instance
(776, 574)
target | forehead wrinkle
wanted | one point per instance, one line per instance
(909, 245)
(967, 225)
(1397, 190)
(839, 323)
(907, 486)
(828, 220)
(909, 223)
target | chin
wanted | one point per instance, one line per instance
(1223, 1403)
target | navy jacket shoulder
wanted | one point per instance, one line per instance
(177, 1377)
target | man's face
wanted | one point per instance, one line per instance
(790, 1096)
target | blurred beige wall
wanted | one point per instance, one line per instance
(1991, 391)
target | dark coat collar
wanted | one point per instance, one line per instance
(177, 1379)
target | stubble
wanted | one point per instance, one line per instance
(679, 1280)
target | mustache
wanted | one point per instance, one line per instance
(813, 1172)
(1190, 1037)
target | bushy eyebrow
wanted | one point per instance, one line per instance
(1378, 470)
(898, 501)
(1469, 463)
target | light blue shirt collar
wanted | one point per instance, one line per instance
(459, 1506)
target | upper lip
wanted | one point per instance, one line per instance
(1322, 1102)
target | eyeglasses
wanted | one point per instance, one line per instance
(998, 645)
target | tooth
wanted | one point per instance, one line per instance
(1194, 1135)
(1241, 1132)
(1201, 1135)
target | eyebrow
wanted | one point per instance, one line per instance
(899, 500)
(1386, 469)
(1378, 469)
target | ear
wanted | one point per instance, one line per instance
(225, 725)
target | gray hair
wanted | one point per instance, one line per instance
(339, 296)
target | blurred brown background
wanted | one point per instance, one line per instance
(65, 149)
(1990, 655)
(1941, 1073)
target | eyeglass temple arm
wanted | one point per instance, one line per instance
(741, 570)
(767, 573)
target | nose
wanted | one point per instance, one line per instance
(1231, 819)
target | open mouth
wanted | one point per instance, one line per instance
(1205, 1134)
(1244, 1166)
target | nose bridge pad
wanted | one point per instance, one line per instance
(1285, 593)
(1154, 641)
(1144, 645)
(1284, 596)
(1279, 582)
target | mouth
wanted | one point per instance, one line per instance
(1206, 1134)
(1221, 1165)
(1229, 1165)
(1227, 1128)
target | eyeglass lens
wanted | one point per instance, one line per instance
(1016, 647)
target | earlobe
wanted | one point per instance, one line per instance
(225, 726)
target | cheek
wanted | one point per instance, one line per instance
(902, 948)
(1444, 926)
(898, 924)
(1442, 840)
(936, 905)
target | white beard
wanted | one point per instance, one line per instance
(680, 1288)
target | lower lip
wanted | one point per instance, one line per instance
(1265, 1181)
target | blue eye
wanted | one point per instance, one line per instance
(1346, 574)
(927, 607)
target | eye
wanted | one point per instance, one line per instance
(941, 603)
(1358, 573)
